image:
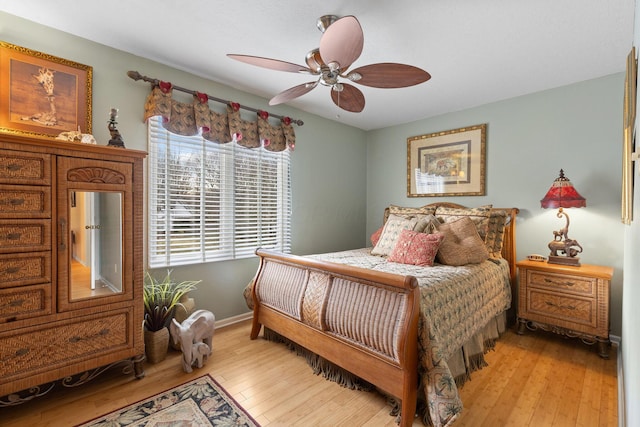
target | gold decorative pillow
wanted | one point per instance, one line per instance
(479, 216)
(495, 232)
(461, 244)
(390, 234)
(407, 212)
(426, 224)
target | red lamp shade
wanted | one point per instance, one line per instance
(562, 194)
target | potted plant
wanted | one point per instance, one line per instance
(161, 297)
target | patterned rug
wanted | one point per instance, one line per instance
(200, 402)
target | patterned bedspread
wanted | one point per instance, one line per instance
(456, 304)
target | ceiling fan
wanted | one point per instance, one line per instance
(340, 45)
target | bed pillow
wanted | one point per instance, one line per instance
(376, 236)
(479, 216)
(495, 232)
(407, 212)
(416, 248)
(390, 234)
(461, 244)
(426, 224)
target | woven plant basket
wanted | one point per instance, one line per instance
(156, 345)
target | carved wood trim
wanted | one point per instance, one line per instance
(96, 174)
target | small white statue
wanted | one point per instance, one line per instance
(87, 138)
(197, 328)
(77, 135)
(199, 353)
(72, 135)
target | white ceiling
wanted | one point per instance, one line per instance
(477, 51)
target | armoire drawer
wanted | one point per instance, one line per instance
(25, 168)
(25, 201)
(20, 269)
(63, 343)
(25, 302)
(25, 235)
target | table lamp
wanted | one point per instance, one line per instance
(561, 195)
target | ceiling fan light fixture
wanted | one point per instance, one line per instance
(333, 66)
(354, 77)
(337, 87)
(324, 21)
(314, 60)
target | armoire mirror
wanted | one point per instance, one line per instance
(95, 244)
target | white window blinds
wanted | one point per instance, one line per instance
(212, 202)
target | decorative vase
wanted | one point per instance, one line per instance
(156, 345)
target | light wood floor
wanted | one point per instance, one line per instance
(538, 379)
(81, 279)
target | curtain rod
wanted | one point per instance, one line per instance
(137, 76)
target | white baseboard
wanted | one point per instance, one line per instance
(622, 421)
(615, 340)
(235, 319)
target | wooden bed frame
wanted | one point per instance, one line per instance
(311, 302)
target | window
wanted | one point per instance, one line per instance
(212, 202)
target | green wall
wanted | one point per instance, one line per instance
(328, 165)
(529, 139)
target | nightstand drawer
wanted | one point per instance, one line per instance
(562, 282)
(547, 306)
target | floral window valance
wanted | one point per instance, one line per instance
(188, 118)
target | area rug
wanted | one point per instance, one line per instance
(200, 402)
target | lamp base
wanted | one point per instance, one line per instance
(564, 260)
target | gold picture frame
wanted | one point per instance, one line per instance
(447, 163)
(629, 118)
(41, 94)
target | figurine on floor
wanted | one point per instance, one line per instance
(199, 354)
(197, 328)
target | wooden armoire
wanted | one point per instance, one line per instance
(71, 262)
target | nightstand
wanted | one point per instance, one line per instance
(567, 300)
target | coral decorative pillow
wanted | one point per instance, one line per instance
(462, 243)
(376, 236)
(416, 248)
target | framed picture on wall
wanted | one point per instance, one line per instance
(43, 95)
(447, 163)
(628, 123)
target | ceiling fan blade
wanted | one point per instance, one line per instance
(292, 93)
(389, 75)
(349, 99)
(342, 42)
(272, 64)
